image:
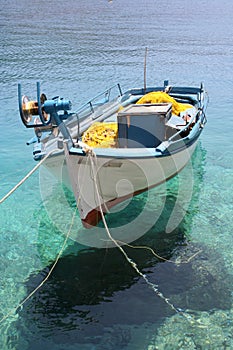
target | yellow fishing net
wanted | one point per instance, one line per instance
(101, 135)
(163, 97)
(105, 134)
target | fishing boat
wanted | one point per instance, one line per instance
(117, 145)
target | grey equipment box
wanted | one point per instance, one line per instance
(143, 125)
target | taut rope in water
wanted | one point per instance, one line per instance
(63, 246)
(26, 177)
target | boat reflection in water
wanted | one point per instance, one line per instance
(95, 300)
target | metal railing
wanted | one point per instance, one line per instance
(98, 100)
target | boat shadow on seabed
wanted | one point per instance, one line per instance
(93, 295)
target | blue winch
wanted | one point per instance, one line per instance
(43, 115)
(43, 112)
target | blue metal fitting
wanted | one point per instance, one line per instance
(51, 106)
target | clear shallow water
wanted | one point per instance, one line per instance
(94, 300)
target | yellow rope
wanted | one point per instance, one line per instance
(48, 275)
(26, 177)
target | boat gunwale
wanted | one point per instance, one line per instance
(138, 153)
(165, 149)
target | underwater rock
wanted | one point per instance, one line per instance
(203, 330)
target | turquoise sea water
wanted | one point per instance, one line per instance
(94, 299)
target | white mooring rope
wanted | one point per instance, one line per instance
(26, 177)
(48, 275)
(131, 262)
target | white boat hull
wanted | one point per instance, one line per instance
(102, 182)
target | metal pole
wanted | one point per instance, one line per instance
(145, 69)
